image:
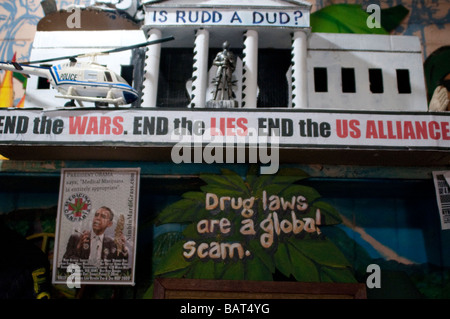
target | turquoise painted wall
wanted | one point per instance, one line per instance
(388, 219)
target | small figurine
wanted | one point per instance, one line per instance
(440, 101)
(437, 76)
(223, 95)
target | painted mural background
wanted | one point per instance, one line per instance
(251, 229)
(392, 223)
(366, 219)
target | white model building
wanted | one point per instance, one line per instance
(365, 72)
(284, 65)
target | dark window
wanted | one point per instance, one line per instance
(403, 82)
(175, 70)
(43, 84)
(348, 80)
(273, 65)
(108, 77)
(126, 72)
(320, 80)
(376, 80)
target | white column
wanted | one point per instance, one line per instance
(299, 71)
(151, 70)
(200, 69)
(250, 70)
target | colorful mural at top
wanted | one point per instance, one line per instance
(428, 20)
(18, 20)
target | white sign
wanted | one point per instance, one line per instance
(96, 226)
(196, 17)
(168, 127)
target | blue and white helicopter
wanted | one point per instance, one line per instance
(84, 80)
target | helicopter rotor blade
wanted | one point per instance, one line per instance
(135, 46)
(125, 48)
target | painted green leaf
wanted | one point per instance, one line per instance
(255, 269)
(173, 261)
(272, 189)
(190, 231)
(338, 274)
(280, 183)
(259, 252)
(295, 190)
(164, 242)
(219, 268)
(322, 251)
(202, 270)
(392, 17)
(180, 273)
(236, 179)
(182, 211)
(329, 214)
(223, 182)
(234, 271)
(343, 18)
(252, 174)
(261, 183)
(282, 260)
(220, 191)
(199, 196)
(303, 269)
(324, 277)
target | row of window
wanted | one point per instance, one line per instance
(176, 70)
(349, 80)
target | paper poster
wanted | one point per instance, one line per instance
(96, 226)
(442, 186)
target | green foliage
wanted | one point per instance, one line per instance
(343, 18)
(392, 17)
(304, 255)
(352, 18)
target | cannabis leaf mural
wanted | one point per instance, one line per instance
(251, 228)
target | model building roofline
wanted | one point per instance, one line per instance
(228, 3)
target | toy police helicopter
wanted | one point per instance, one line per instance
(84, 81)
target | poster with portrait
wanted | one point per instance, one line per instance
(95, 239)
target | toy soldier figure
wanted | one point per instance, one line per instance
(441, 95)
(226, 64)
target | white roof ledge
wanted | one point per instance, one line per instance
(227, 3)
